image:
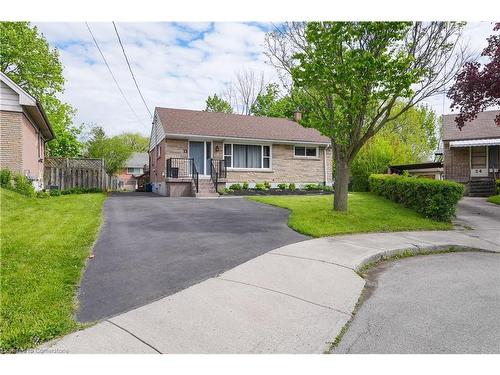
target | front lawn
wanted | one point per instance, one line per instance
(494, 199)
(44, 245)
(314, 216)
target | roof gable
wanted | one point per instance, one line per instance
(182, 122)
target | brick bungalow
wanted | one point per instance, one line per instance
(192, 151)
(134, 167)
(24, 130)
(472, 155)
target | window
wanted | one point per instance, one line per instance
(158, 151)
(247, 156)
(134, 171)
(307, 152)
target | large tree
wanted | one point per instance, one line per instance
(243, 89)
(217, 104)
(477, 86)
(270, 103)
(354, 74)
(27, 58)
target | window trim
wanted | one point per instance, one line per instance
(262, 157)
(305, 156)
(132, 173)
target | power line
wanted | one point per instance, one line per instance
(112, 75)
(130, 68)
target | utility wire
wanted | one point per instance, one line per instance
(130, 68)
(112, 75)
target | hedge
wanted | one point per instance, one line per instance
(434, 199)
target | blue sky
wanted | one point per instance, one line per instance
(176, 65)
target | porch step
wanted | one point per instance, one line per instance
(482, 187)
(205, 189)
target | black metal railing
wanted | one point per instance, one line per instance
(183, 168)
(217, 171)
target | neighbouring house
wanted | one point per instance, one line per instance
(192, 153)
(24, 130)
(432, 169)
(128, 177)
(472, 155)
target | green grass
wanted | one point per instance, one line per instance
(494, 199)
(44, 245)
(313, 215)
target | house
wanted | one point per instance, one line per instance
(24, 130)
(134, 168)
(431, 169)
(193, 152)
(472, 155)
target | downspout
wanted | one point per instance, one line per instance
(325, 165)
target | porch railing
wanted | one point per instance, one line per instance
(218, 171)
(183, 168)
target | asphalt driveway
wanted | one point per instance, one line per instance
(445, 303)
(152, 246)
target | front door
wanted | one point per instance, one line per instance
(479, 161)
(201, 152)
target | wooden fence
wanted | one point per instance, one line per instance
(66, 173)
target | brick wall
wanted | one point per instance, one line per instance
(456, 163)
(287, 168)
(11, 144)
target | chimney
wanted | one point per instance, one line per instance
(297, 116)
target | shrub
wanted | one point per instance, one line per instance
(327, 188)
(260, 186)
(282, 186)
(23, 185)
(498, 185)
(227, 191)
(267, 185)
(245, 185)
(432, 198)
(292, 186)
(313, 187)
(42, 194)
(6, 178)
(235, 187)
(55, 192)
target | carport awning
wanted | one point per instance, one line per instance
(476, 142)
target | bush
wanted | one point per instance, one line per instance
(245, 185)
(6, 178)
(55, 192)
(235, 187)
(498, 185)
(313, 187)
(432, 198)
(327, 188)
(227, 191)
(292, 186)
(260, 186)
(267, 185)
(23, 185)
(282, 186)
(42, 194)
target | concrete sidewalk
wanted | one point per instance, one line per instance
(294, 299)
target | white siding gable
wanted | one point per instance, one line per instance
(9, 99)
(157, 132)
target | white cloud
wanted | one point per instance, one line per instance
(176, 65)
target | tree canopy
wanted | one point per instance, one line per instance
(354, 73)
(269, 103)
(27, 58)
(477, 86)
(115, 150)
(217, 104)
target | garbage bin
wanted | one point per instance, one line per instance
(149, 188)
(174, 172)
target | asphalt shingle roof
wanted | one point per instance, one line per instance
(224, 125)
(482, 127)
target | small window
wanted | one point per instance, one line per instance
(158, 151)
(228, 155)
(266, 157)
(134, 171)
(302, 151)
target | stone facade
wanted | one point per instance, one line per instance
(285, 167)
(11, 145)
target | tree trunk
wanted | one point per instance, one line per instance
(342, 171)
